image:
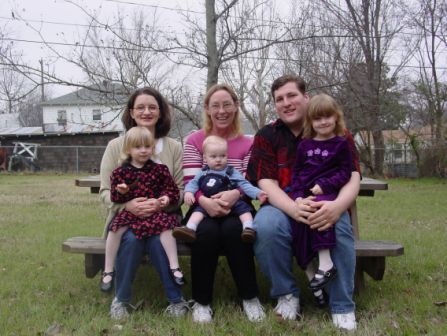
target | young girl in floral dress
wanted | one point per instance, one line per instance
(139, 176)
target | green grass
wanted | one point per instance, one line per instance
(42, 288)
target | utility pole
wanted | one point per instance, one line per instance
(42, 92)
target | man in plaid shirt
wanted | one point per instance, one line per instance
(270, 166)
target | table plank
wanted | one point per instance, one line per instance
(367, 185)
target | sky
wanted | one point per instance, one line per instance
(62, 21)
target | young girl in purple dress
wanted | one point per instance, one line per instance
(139, 176)
(323, 166)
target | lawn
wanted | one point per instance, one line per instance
(43, 291)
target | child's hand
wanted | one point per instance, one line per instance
(316, 190)
(189, 198)
(122, 188)
(164, 201)
(262, 197)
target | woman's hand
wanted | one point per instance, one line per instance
(214, 207)
(143, 207)
(230, 197)
(326, 216)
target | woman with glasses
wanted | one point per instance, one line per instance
(146, 107)
(220, 232)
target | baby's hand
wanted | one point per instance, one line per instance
(122, 188)
(189, 198)
(262, 197)
(164, 201)
(316, 190)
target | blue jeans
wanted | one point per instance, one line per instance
(274, 253)
(128, 260)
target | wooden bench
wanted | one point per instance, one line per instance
(371, 254)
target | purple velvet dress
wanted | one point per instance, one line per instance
(329, 164)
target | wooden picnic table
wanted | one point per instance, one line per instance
(370, 254)
(368, 186)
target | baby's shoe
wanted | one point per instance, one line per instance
(248, 235)
(184, 233)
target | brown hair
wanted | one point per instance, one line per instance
(283, 80)
(323, 105)
(207, 122)
(163, 125)
(136, 136)
(213, 139)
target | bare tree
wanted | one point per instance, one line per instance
(431, 23)
(373, 24)
(12, 83)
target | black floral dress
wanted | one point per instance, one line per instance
(153, 180)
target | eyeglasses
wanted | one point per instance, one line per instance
(227, 106)
(142, 108)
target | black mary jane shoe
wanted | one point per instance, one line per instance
(321, 301)
(318, 283)
(106, 287)
(178, 280)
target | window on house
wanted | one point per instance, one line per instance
(96, 115)
(62, 117)
(398, 151)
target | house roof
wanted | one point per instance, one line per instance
(106, 93)
(74, 129)
(398, 136)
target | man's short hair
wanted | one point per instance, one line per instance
(284, 79)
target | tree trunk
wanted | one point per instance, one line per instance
(211, 46)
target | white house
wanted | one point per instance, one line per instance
(92, 109)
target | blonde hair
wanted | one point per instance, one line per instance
(136, 136)
(236, 128)
(323, 105)
(213, 140)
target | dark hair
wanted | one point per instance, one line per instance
(284, 79)
(163, 124)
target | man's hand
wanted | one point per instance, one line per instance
(326, 216)
(304, 208)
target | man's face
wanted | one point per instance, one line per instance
(291, 104)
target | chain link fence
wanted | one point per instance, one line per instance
(67, 159)
(87, 159)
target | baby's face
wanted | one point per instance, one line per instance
(215, 156)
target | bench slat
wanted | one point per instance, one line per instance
(97, 245)
(378, 248)
(364, 248)
(370, 256)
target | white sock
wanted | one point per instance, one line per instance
(318, 292)
(247, 224)
(192, 226)
(325, 262)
